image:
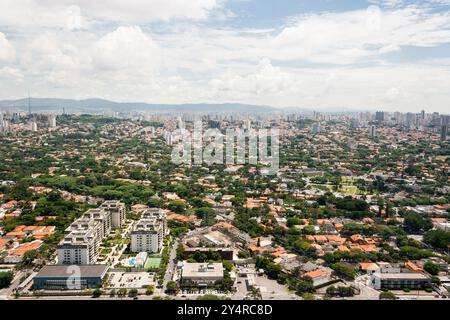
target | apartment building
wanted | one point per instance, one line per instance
(82, 239)
(117, 211)
(81, 242)
(158, 214)
(103, 216)
(148, 233)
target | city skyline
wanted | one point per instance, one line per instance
(377, 55)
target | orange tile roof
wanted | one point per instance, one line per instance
(223, 224)
(15, 234)
(320, 238)
(368, 266)
(343, 248)
(368, 248)
(25, 247)
(315, 274)
(333, 238)
(338, 226)
(412, 266)
(356, 238)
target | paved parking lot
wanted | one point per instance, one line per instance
(129, 280)
(270, 289)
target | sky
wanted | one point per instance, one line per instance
(391, 55)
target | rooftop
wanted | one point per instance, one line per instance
(56, 271)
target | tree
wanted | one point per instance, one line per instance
(172, 287)
(97, 293)
(416, 223)
(387, 295)
(208, 215)
(308, 296)
(431, 268)
(437, 238)
(177, 206)
(227, 265)
(340, 291)
(208, 297)
(28, 259)
(5, 279)
(150, 290)
(133, 293)
(180, 252)
(344, 270)
(122, 292)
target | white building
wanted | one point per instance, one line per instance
(148, 234)
(82, 239)
(81, 243)
(117, 211)
(202, 274)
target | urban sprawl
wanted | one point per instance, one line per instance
(93, 207)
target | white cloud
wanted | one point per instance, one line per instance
(317, 59)
(7, 51)
(126, 47)
(72, 14)
(264, 80)
(347, 37)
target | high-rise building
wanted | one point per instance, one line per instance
(444, 130)
(81, 243)
(372, 131)
(117, 211)
(148, 234)
(33, 126)
(315, 128)
(380, 116)
(52, 121)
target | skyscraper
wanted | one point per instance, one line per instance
(372, 131)
(379, 116)
(444, 129)
(315, 128)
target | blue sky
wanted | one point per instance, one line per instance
(323, 54)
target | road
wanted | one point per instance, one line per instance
(171, 265)
(6, 293)
(366, 292)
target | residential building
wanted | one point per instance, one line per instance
(81, 242)
(148, 233)
(117, 211)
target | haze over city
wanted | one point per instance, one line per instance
(364, 55)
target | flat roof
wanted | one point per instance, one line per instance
(65, 271)
(407, 276)
(202, 270)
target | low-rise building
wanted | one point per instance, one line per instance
(202, 274)
(54, 277)
(398, 281)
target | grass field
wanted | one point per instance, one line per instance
(344, 189)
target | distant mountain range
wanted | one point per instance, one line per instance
(100, 105)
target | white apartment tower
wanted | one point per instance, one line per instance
(81, 242)
(83, 237)
(148, 234)
(117, 211)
